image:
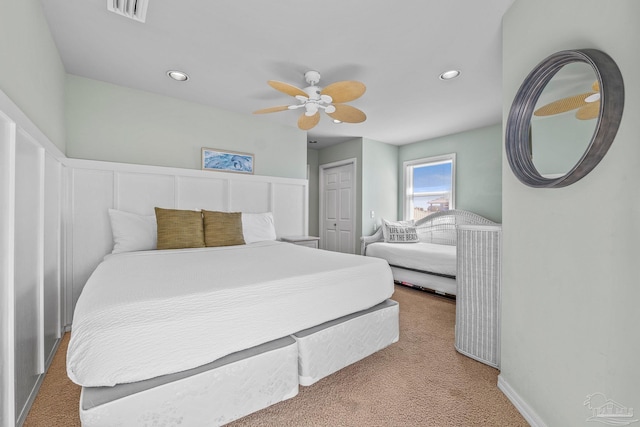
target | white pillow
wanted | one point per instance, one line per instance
(258, 227)
(132, 232)
(399, 231)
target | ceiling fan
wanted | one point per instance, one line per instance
(588, 105)
(331, 99)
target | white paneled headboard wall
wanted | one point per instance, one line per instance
(94, 187)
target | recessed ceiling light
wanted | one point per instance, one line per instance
(180, 76)
(448, 75)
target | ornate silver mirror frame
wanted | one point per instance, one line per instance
(518, 143)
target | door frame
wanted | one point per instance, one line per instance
(352, 161)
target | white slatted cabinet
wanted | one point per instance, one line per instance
(478, 300)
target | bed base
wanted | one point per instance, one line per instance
(441, 285)
(213, 394)
(243, 382)
(329, 347)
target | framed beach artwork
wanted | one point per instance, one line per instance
(226, 161)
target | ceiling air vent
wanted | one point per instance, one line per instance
(133, 9)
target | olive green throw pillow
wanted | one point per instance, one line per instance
(178, 229)
(222, 228)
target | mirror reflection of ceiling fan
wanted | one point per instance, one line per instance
(588, 105)
(331, 99)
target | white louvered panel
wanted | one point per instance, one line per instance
(478, 298)
(132, 9)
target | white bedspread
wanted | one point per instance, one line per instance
(145, 314)
(428, 257)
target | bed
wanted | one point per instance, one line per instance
(423, 254)
(203, 336)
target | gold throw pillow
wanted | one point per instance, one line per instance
(178, 229)
(222, 228)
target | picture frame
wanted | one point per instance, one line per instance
(227, 161)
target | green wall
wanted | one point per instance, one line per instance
(380, 184)
(312, 163)
(478, 168)
(118, 124)
(570, 282)
(31, 71)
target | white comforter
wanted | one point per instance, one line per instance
(145, 314)
(429, 257)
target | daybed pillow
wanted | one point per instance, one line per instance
(178, 229)
(399, 232)
(222, 228)
(132, 232)
(258, 227)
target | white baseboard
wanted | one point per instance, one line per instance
(523, 407)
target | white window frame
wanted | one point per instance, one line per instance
(407, 168)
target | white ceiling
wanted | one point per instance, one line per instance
(230, 48)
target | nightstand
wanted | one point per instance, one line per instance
(308, 241)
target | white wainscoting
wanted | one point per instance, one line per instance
(94, 187)
(55, 229)
(31, 200)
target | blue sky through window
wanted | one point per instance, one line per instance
(432, 178)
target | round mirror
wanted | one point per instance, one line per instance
(564, 118)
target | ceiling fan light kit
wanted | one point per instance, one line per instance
(313, 98)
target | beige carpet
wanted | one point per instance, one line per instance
(419, 381)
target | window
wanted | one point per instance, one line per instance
(429, 186)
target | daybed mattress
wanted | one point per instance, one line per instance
(146, 314)
(428, 257)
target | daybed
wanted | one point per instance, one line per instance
(429, 262)
(203, 336)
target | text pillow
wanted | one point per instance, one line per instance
(399, 232)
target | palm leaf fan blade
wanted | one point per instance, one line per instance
(588, 112)
(563, 105)
(287, 88)
(348, 114)
(344, 91)
(272, 109)
(308, 122)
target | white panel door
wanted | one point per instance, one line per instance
(339, 208)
